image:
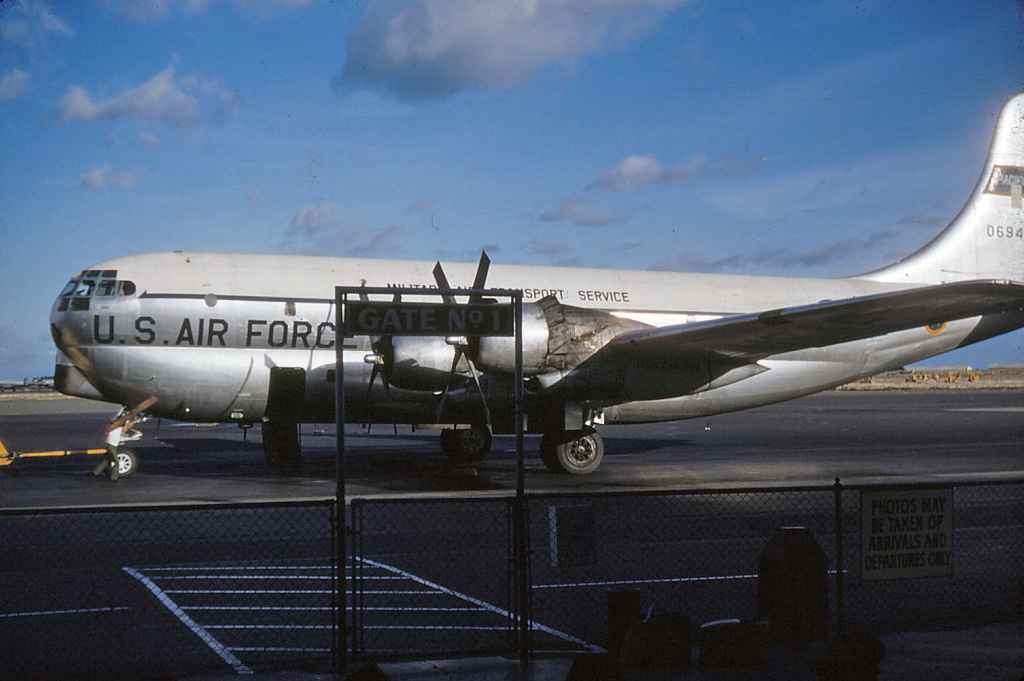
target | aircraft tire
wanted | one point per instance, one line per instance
(449, 445)
(573, 453)
(127, 462)
(281, 446)
(472, 445)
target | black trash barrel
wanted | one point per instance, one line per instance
(792, 587)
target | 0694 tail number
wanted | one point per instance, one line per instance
(1004, 232)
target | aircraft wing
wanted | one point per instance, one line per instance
(746, 338)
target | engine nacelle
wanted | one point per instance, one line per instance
(497, 354)
(419, 362)
(556, 338)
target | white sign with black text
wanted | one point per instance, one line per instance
(907, 533)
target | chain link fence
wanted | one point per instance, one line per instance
(122, 592)
(688, 553)
(987, 580)
(433, 577)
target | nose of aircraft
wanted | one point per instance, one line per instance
(66, 328)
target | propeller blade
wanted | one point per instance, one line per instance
(442, 282)
(367, 399)
(448, 385)
(483, 398)
(480, 280)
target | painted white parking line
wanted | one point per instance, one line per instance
(656, 580)
(435, 627)
(232, 580)
(291, 591)
(268, 626)
(257, 607)
(196, 629)
(994, 410)
(211, 568)
(653, 580)
(327, 607)
(73, 611)
(534, 626)
(277, 649)
(265, 577)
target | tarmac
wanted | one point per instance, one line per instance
(990, 653)
(869, 438)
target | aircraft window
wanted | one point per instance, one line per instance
(108, 274)
(91, 273)
(125, 288)
(79, 303)
(69, 288)
(107, 287)
(289, 309)
(85, 287)
(63, 307)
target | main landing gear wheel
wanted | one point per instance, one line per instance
(574, 452)
(127, 462)
(466, 445)
(281, 446)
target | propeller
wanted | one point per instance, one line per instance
(463, 347)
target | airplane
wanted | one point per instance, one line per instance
(232, 337)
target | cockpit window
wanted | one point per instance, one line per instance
(101, 283)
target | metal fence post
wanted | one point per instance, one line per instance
(840, 565)
(522, 584)
(334, 587)
(341, 637)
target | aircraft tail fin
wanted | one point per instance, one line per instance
(986, 239)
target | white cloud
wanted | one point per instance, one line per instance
(312, 219)
(434, 48)
(638, 171)
(27, 23)
(317, 228)
(579, 212)
(13, 84)
(102, 177)
(51, 23)
(150, 10)
(548, 248)
(374, 243)
(149, 139)
(162, 98)
(222, 99)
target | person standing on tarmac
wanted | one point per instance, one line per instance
(115, 429)
(122, 423)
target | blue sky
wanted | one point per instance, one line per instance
(810, 139)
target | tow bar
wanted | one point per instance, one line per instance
(8, 457)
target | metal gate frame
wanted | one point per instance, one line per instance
(520, 528)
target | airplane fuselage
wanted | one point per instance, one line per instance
(202, 331)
